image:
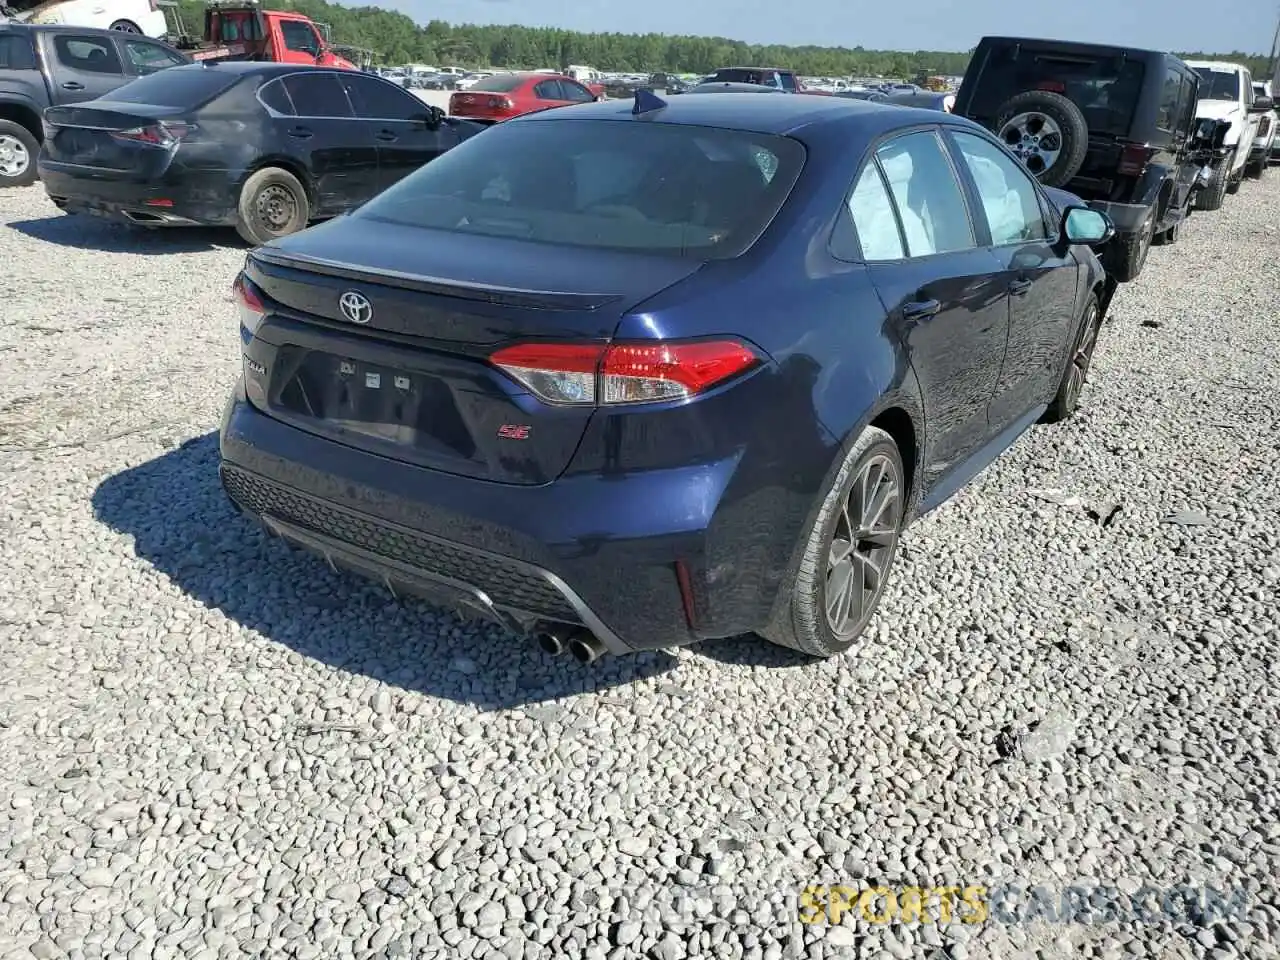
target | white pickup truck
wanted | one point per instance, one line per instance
(1226, 93)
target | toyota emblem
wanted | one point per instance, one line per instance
(355, 307)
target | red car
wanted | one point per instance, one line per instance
(507, 95)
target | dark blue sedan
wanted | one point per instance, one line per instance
(626, 377)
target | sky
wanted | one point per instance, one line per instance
(1218, 27)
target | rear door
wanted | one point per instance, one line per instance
(1040, 276)
(341, 150)
(84, 67)
(548, 94)
(404, 141)
(944, 293)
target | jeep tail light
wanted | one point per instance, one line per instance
(582, 374)
(166, 133)
(1134, 159)
(249, 304)
(1052, 86)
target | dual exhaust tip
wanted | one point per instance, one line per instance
(581, 644)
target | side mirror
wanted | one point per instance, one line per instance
(432, 118)
(1087, 226)
(1262, 105)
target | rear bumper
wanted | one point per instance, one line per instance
(604, 553)
(1127, 217)
(204, 200)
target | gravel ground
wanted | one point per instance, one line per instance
(212, 747)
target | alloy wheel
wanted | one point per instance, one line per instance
(862, 545)
(1082, 358)
(14, 157)
(1035, 139)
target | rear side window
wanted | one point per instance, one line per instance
(927, 196)
(873, 217)
(658, 188)
(317, 95)
(500, 83)
(16, 53)
(176, 87)
(275, 96)
(1105, 88)
(87, 54)
(150, 57)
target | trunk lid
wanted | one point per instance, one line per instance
(411, 379)
(81, 134)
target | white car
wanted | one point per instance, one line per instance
(131, 16)
(1226, 93)
(1264, 140)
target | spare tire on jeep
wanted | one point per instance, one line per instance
(1047, 132)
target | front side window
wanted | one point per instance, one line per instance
(1010, 203)
(677, 190)
(926, 194)
(88, 54)
(150, 57)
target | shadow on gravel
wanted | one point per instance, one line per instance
(182, 524)
(90, 233)
(752, 651)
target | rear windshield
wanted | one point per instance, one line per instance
(1106, 89)
(758, 77)
(175, 87)
(498, 84)
(1218, 85)
(608, 184)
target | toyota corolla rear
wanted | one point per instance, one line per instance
(142, 153)
(516, 383)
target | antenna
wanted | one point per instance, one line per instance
(646, 102)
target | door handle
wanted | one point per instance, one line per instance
(386, 136)
(72, 85)
(1019, 288)
(300, 133)
(919, 310)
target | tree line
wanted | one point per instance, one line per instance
(393, 38)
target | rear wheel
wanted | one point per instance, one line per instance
(272, 204)
(1067, 400)
(18, 150)
(851, 548)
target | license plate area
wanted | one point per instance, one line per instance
(391, 404)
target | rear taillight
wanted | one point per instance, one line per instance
(1134, 159)
(500, 103)
(571, 373)
(166, 133)
(249, 303)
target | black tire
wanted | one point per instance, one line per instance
(1070, 122)
(1211, 195)
(272, 204)
(1168, 236)
(15, 141)
(126, 26)
(807, 626)
(1076, 372)
(1233, 182)
(1125, 256)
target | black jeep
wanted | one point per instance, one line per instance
(1114, 125)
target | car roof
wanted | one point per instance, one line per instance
(247, 68)
(1215, 65)
(754, 113)
(1095, 48)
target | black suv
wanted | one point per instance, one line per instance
(1114, 125)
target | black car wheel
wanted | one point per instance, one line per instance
(1211, 195)
(851, 548)
(1067, 399)
(126, 26)
(1047, 132)
(272, 204)
(18, 149)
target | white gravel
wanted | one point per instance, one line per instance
(212, 747)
